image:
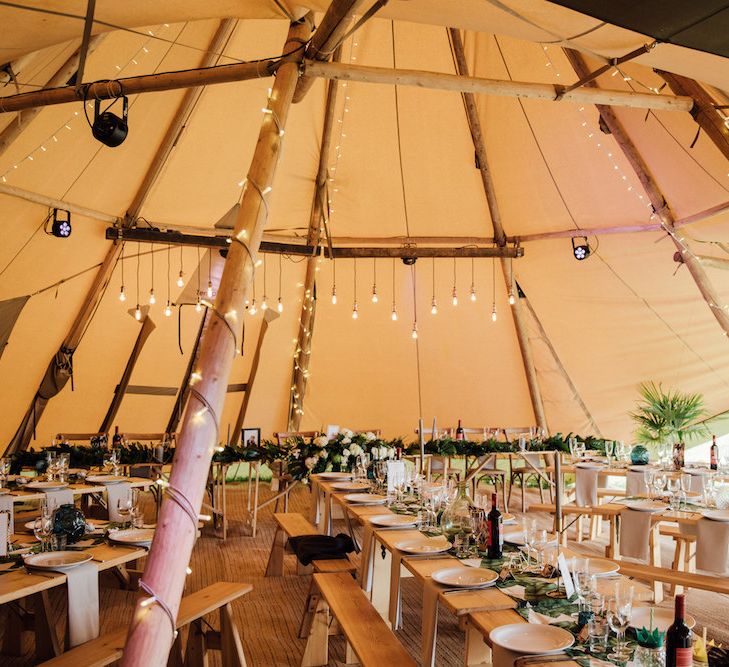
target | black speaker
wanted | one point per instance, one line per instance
(108, 128)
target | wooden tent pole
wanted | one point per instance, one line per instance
(180, 400)
(57, 374)
(704, 111)
(51, 202)
(327, 38)
(302, 355)
(270, 315)
(655, 196)
(474, 123)
(560, 366)
(16, 126)
(503, 88)
(151, 630)
(148, 326)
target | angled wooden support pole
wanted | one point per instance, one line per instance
(269, 315)
(16, 126)
(660, 206)
(318, 217)
(148, 326)
(474, 123)
(151, 631)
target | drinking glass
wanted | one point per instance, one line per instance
(43, 529)
(52, 466)
(609, 450)
(598, 630)
(659, 482)
(674, 487)
(572, 443)
(582, 580)
(540, 544)
(530, 533)
(124, 507)
(63, 463)
(620, 609)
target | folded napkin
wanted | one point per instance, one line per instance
(83, 603)
(54, 499)
(586, 487)
(635, 484)
(536, 617)
(115, 493)
(635, 528)
(712, 545)
(395, 474)
(321, 547)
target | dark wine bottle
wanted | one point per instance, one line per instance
(116, 441)
(679, 639)
(495, 534)
(714, 453)
(460, 435)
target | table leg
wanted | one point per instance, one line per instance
(429, 623)
(366, 560)
(254, 523)
(613, 548)
(655, 538)
(47, 645)
(327, 522)
(381, 565)
(394, 607)
(478, 652)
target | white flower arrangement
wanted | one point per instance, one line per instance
(321, 441)
(370, 436)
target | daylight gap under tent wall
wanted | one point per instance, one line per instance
(153, 625)
(474, 124)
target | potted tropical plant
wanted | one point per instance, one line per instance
(669, 418)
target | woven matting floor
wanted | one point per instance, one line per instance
(269, 616)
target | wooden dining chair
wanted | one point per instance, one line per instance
(523, 472)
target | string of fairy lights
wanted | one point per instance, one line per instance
(598, 139)
(56, 136)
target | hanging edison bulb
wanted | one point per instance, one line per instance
(355, 313)
(493, 313)
(473, 292)
(512, 298)
(181, 279)
(152, 297)
(414, 333)
(279, 306)
(393, 315)
(253, 310)
(168, 309)
(264, 303)
(334, 295)
(138, 313)
(433, 307)
(122, 294)
(209, 291)
(375, 298)
(454, 296)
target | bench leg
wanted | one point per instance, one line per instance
(312, 600)
(276, 557)
(655, 561)
(679, 560)
(196, 653)
(478, 652)
(316, 653)
(231, 645)
(46, 641)
(350, 657)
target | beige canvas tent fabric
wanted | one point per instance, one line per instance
(617, 319)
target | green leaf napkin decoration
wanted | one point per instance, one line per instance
(650, 638)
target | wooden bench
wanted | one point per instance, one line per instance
(369, 639)
(108, 648)
(705, 582)
(289, 525)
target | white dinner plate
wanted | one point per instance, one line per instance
(696, 471)
(106, 479)
(532, 638)
(600, 567)
(335, 475)
(425, 545)
(508, 519)
(647, 506)
(392, 520)
(57, 560)
(516, 537)
(365, 498)
(662, 618)
(350, 486)
(136, 536)
(46, 486)
(465, 577)
(590, 465)
(717, 515)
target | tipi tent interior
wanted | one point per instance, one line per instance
(502, 214)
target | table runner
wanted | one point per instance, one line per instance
(83, 602)
(635, 527)
(712, 545)
(54, 499)
(586, 487)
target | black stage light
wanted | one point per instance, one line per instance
(108, 128)
(61, 226)
(581, 250)
(409, 260)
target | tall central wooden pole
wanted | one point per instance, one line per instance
(474, 123)
(151, 632)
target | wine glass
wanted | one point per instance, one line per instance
(674, 487)
(124, 506)
(541, 541)
(51, 466)
(619, 611)
(609, 450)
(572, 444)
(530, 533)
(582, 580)
(43, 529)
(659, 482)
(63, 463)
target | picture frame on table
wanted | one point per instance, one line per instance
(251, 437)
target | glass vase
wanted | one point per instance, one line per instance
(456, 517)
